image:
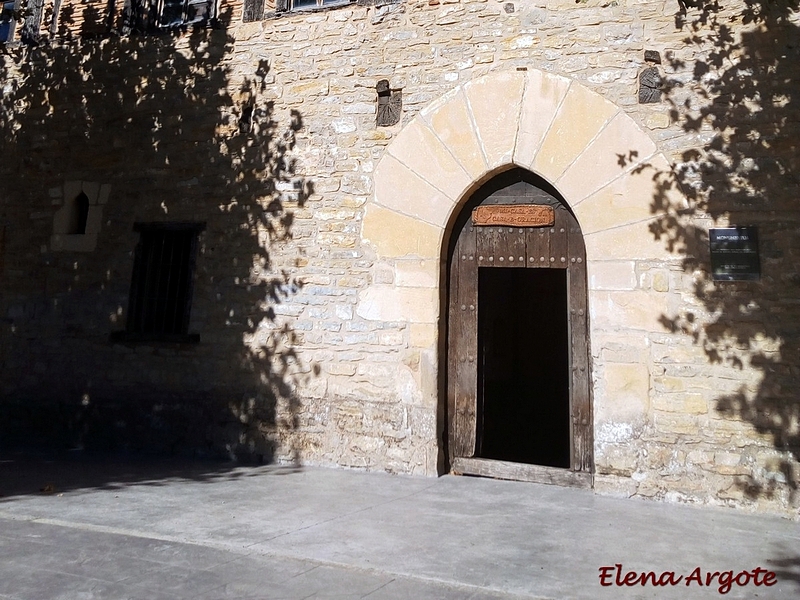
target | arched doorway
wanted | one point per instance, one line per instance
(518, 358)
(573, 138)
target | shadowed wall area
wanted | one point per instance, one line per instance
(153, 130)
(740, 101)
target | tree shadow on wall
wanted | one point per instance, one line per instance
(740, 101)
(178, 133)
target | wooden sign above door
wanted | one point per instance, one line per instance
(514, 215)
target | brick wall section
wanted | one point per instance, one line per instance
(302, 376)
(94, 17)
(88, 18)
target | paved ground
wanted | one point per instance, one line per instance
(170, 529)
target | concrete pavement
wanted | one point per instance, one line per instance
(167, 529)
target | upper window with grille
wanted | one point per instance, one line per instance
(149, 15)
(301, 4)
(173, 13)
(254, 10)
(7, 20)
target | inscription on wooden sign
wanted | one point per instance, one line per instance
(514, 215)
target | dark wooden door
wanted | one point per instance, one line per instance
(559, 246)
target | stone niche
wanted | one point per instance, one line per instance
(77, 222)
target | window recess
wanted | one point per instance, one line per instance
(310, 4)
(255, 10)
(8, 21)
(154, 15)
(174, 13)
(161, 285)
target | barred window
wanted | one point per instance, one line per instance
(253, 10)
(7, 21)
(150, 15)
(300, 4)
(173, 13)
(161, 286)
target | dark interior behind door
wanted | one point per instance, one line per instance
(523, 373)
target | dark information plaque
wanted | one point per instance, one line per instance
(734, 253)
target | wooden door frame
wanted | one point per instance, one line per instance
(461, 350)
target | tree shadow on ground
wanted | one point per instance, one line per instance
(35, 472)
(173, 131)
(787, 566)
(735, 91)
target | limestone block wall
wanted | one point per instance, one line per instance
(318, 292)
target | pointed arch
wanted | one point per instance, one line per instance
(595, 155)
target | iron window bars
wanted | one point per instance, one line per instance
(161, 285)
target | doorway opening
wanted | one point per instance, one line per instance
(518, 367)
(523, 369)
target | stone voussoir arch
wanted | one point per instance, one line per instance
(588, 148)
(605, 166)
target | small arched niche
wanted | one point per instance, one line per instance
(77, 223)
(78, 215)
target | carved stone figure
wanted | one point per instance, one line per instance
(649, 86)
(390, 104)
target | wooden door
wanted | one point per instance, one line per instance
(475, 247)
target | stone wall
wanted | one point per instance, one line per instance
(266, 132)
